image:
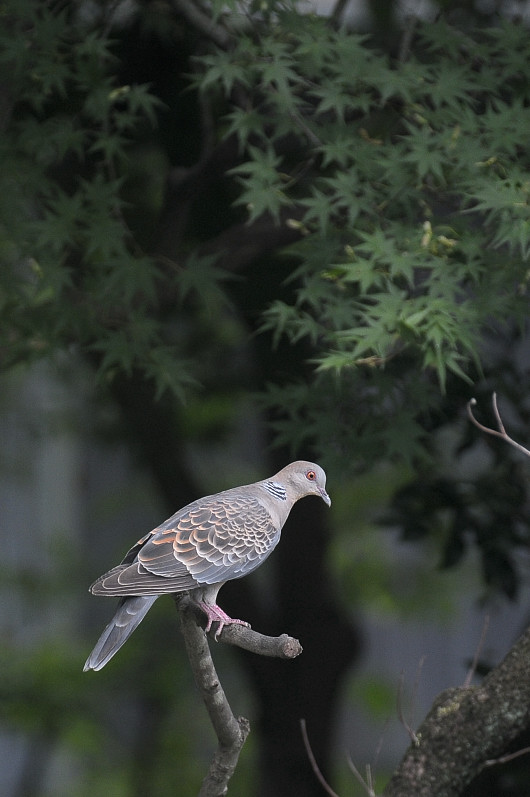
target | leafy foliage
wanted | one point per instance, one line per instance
(405, 182)
(72, 274)
(405, 179)
(416, 167)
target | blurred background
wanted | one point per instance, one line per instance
(180, 315)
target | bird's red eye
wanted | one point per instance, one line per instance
(311, 475)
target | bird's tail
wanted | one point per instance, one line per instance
(131, 611)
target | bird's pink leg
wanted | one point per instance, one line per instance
(216, 615)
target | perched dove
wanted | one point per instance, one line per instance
(199, 548)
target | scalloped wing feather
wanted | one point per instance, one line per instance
(210, 541)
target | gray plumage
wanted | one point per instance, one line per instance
(206, 543)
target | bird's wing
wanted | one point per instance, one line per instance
(132, 553)
(210, 541)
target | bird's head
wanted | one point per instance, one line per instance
(303, 478)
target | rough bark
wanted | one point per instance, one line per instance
(231, 732)
(466, 729)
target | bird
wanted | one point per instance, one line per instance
(206, 543)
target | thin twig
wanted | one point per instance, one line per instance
(370, 780)
(316, 769)
(497, 414)
(401, 716)
(474, 663)
(501, 430)
(366, 784)
(505, 758)
(380, 743)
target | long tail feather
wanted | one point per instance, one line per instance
(131, 611)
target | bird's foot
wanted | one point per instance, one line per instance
(216, 615)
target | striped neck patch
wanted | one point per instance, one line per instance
(276, 489)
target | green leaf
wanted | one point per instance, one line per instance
(262, 185)
(201, 280)
(426, 152)
(224, 68)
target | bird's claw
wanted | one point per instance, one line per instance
(216, 615)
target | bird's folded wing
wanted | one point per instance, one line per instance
(135, 579)
(212, 540)
(219, 538)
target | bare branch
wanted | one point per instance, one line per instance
(491, 762)
(366, 784)
(316, 769)
(501, 432)
(200, 20)
(380, 744)
(401, 716)
(281, 647)
(231, 732)
(497, 415)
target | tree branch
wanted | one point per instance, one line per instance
(466, 728)
(280, 647)
(316, 769)
(501, 430)
(202, 22)
(231, 732)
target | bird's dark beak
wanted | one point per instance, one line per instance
(325, 497)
